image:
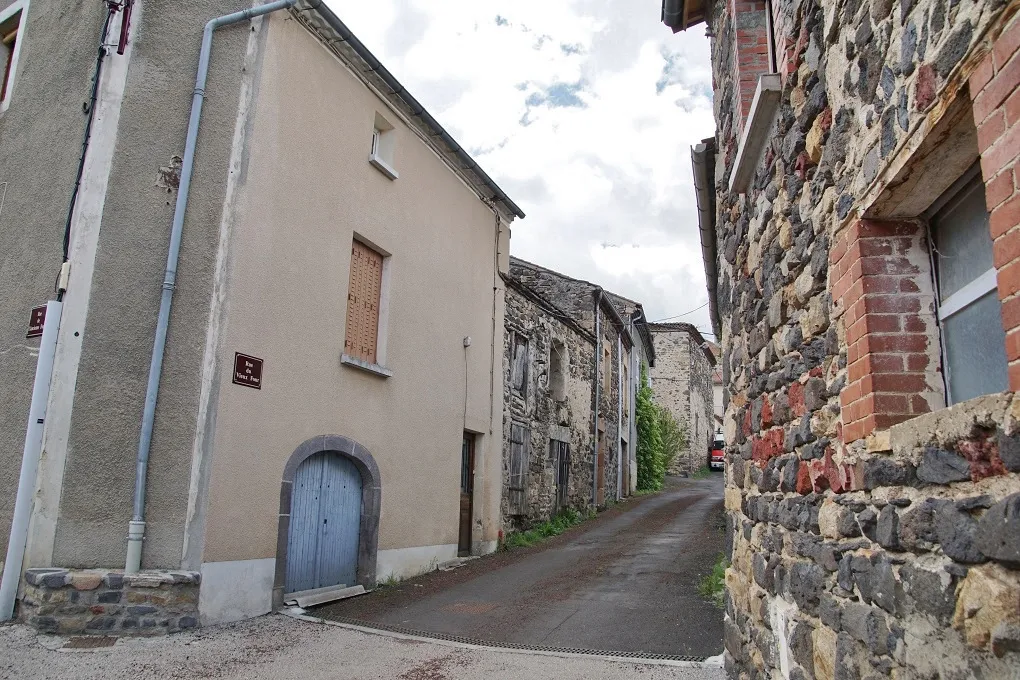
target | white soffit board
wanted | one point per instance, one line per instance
(756, 131)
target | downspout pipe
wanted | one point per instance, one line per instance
(136, 527)
(30, 462)
(598, 398)
(703, 159)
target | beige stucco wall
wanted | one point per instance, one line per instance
(286, 296)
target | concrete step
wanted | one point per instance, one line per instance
(310, 598)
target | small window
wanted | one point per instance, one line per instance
(519, 365)
(382, 149)
(517, 474)
(973, 338)
(9, 36)
(363, 298)
(559, 366)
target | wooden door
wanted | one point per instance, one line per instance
(467, 475)
(325, 524)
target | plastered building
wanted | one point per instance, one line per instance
(328, 407)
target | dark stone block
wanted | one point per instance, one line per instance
(926, 593)
(1009, 451)
(141, 610)
(843, 205)
(939, 466)
(900, 502)
(733, 641)
(957, 534)
(45, 624)
(888, 131)
(101, 623)
(830, 611)
(802, 646)
(886, 531)
(805, 583)
(867, 520)
(187, 622)
(111, 597)
(881, 471)
(999, 532)
(908, 48)
(875, 579)
(849, 653)
(974, 503)
(763, 573)
(114, 581)
(789, 482)
(954, 49)
(917, 526)
(866, 624)
(54, 579)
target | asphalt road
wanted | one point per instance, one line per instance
(626, 581)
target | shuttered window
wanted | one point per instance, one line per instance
(363, 303)
(517, 475)
(519, 367)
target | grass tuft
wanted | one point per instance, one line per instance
(703, 472)
(553, 527)
(713, 585)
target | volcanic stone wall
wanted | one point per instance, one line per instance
(875, 531)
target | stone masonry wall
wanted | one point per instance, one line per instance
(682, 382)
(568, 420)
(871, 538)
(68, 602)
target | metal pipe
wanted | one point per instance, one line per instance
(136, 528)
(598, 397)
(619, 416)
(701, 156)
(29, 462)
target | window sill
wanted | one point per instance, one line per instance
(756, 131)
(362, 365)
(382, 166)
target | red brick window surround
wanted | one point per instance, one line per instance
(882, 285)
(995, 91)
(754, 50)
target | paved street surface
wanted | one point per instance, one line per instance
(626, 581)
(279, 648)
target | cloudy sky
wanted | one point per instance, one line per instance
(584, 112)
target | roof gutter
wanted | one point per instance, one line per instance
(417, 110)
(703, 158)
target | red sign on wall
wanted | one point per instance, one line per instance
(247, 371)
(36, 321)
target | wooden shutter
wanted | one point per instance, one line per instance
(517, 477)
(362, 333)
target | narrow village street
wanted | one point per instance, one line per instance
(624, 582)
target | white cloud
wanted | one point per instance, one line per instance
(584, 111)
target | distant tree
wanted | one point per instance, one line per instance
(651, 468)
(674, 436)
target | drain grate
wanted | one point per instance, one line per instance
(90, 642)
(649, 656)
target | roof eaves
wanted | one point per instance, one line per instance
(321, 22)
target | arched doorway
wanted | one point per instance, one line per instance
(325, 522)
(328, 532)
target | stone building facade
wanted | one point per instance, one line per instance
(682, 382)
(548, 446)
(860, 215)
(571, 355)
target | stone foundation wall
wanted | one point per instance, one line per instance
(913, 573)
(71, 602)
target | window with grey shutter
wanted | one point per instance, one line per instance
(973, 338)
(519, 367)
(517, 475)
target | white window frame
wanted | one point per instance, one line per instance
(5, 14)
(968, 294)
(383, 143)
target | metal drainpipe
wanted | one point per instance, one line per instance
(598, 398)
(619, 417)
(136, 527)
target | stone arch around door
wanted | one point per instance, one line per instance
(371, 497)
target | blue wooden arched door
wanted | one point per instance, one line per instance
(325, 523)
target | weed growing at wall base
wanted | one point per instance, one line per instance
(553, 527)
(713, 585)
(703, 472)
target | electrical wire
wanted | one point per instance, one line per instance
(679, 315)
(111, 8)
